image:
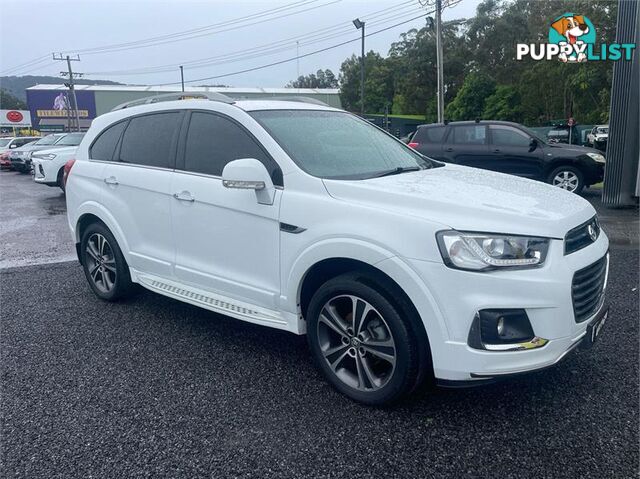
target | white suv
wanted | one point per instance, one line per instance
(308, 219)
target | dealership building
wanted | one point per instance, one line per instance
(49, 104)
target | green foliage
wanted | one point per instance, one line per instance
(321, 79)
(469, 102)
(10, 102)
(481, 74)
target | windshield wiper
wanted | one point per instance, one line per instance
(397, 170)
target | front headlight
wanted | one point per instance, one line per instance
(598, 158)
(486, 251)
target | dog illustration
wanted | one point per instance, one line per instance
(572, 28)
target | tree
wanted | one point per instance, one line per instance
(469, 103)
(10, 102)
(321, 79)
(504, 104)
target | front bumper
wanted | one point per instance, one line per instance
(44, 171)
(544, 293)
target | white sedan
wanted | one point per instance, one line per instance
(48, 165)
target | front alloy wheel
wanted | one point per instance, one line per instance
(356, 342)
(568, 178)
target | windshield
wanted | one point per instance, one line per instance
(603, 130)
(47, 140)
(72, 139)
(4, 142)
(338, 145)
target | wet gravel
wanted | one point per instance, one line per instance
(156, 388)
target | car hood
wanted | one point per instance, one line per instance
(471, 199)
(572, 150)
(62, 150)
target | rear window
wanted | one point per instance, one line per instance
(149, 140)
(431, 134)
(105, 145)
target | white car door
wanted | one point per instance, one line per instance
(137, 190)
(226, 242)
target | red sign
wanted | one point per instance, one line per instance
(14, 116)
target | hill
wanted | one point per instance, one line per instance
(16, 86)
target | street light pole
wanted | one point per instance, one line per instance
(182, 77)
(360, 26)
(439, 61)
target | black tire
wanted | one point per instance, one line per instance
(569, 173)
(110, 287)
(393, 381)
(61, 180)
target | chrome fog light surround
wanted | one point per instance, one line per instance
(503, 330)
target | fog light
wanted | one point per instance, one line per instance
(503, 330)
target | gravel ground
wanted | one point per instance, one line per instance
(156, 388)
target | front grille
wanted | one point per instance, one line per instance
(581, 236)
(587, 289)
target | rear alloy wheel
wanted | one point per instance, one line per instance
(568, 178)
(104, 265)
(361, 342)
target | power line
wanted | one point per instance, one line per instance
(296, 57)
(253, 52)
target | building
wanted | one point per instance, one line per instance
(50, 106)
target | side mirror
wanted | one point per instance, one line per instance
(249, 174)
(13, 145)
(533, 144)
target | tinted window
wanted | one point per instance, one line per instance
(213, 141)
(470, 135)
(508, 136)
(149, 140)
(72, 139)
(433, 134)
(105, 146)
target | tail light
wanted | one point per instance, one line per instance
(413, 144)
(67, 169)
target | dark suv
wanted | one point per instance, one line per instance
(513, 149)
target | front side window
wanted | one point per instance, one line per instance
(213, 141)
(470, 135)
(104, 146)
(149, 140)
(509, 136)
(337, 145)
(72, 139)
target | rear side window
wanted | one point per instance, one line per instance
(149, 140)
(213, 141)
(105, 145)
(432, 134)
(470, 135)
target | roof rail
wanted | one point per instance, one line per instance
(300, 99)
(212, 96)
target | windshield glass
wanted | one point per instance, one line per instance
(337, 145)
(72, 139)
(4, 142)
(603, 130)
(47, 140)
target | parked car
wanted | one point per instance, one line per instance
(598, 137)
(13, 142)
(311, 220)
(562, 133)
(48, 165)
(511, 148)
(21, 157)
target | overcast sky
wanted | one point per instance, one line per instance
(31, 31)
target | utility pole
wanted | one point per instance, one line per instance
(74, 99)
(297, 59)
(182, 77)
(439, 61)
(360, 26)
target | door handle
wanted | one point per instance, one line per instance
(111, 180)
(496, 150)
(448, 149)
(184, 196)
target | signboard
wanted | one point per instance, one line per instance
(17, 118)
(55, 106)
